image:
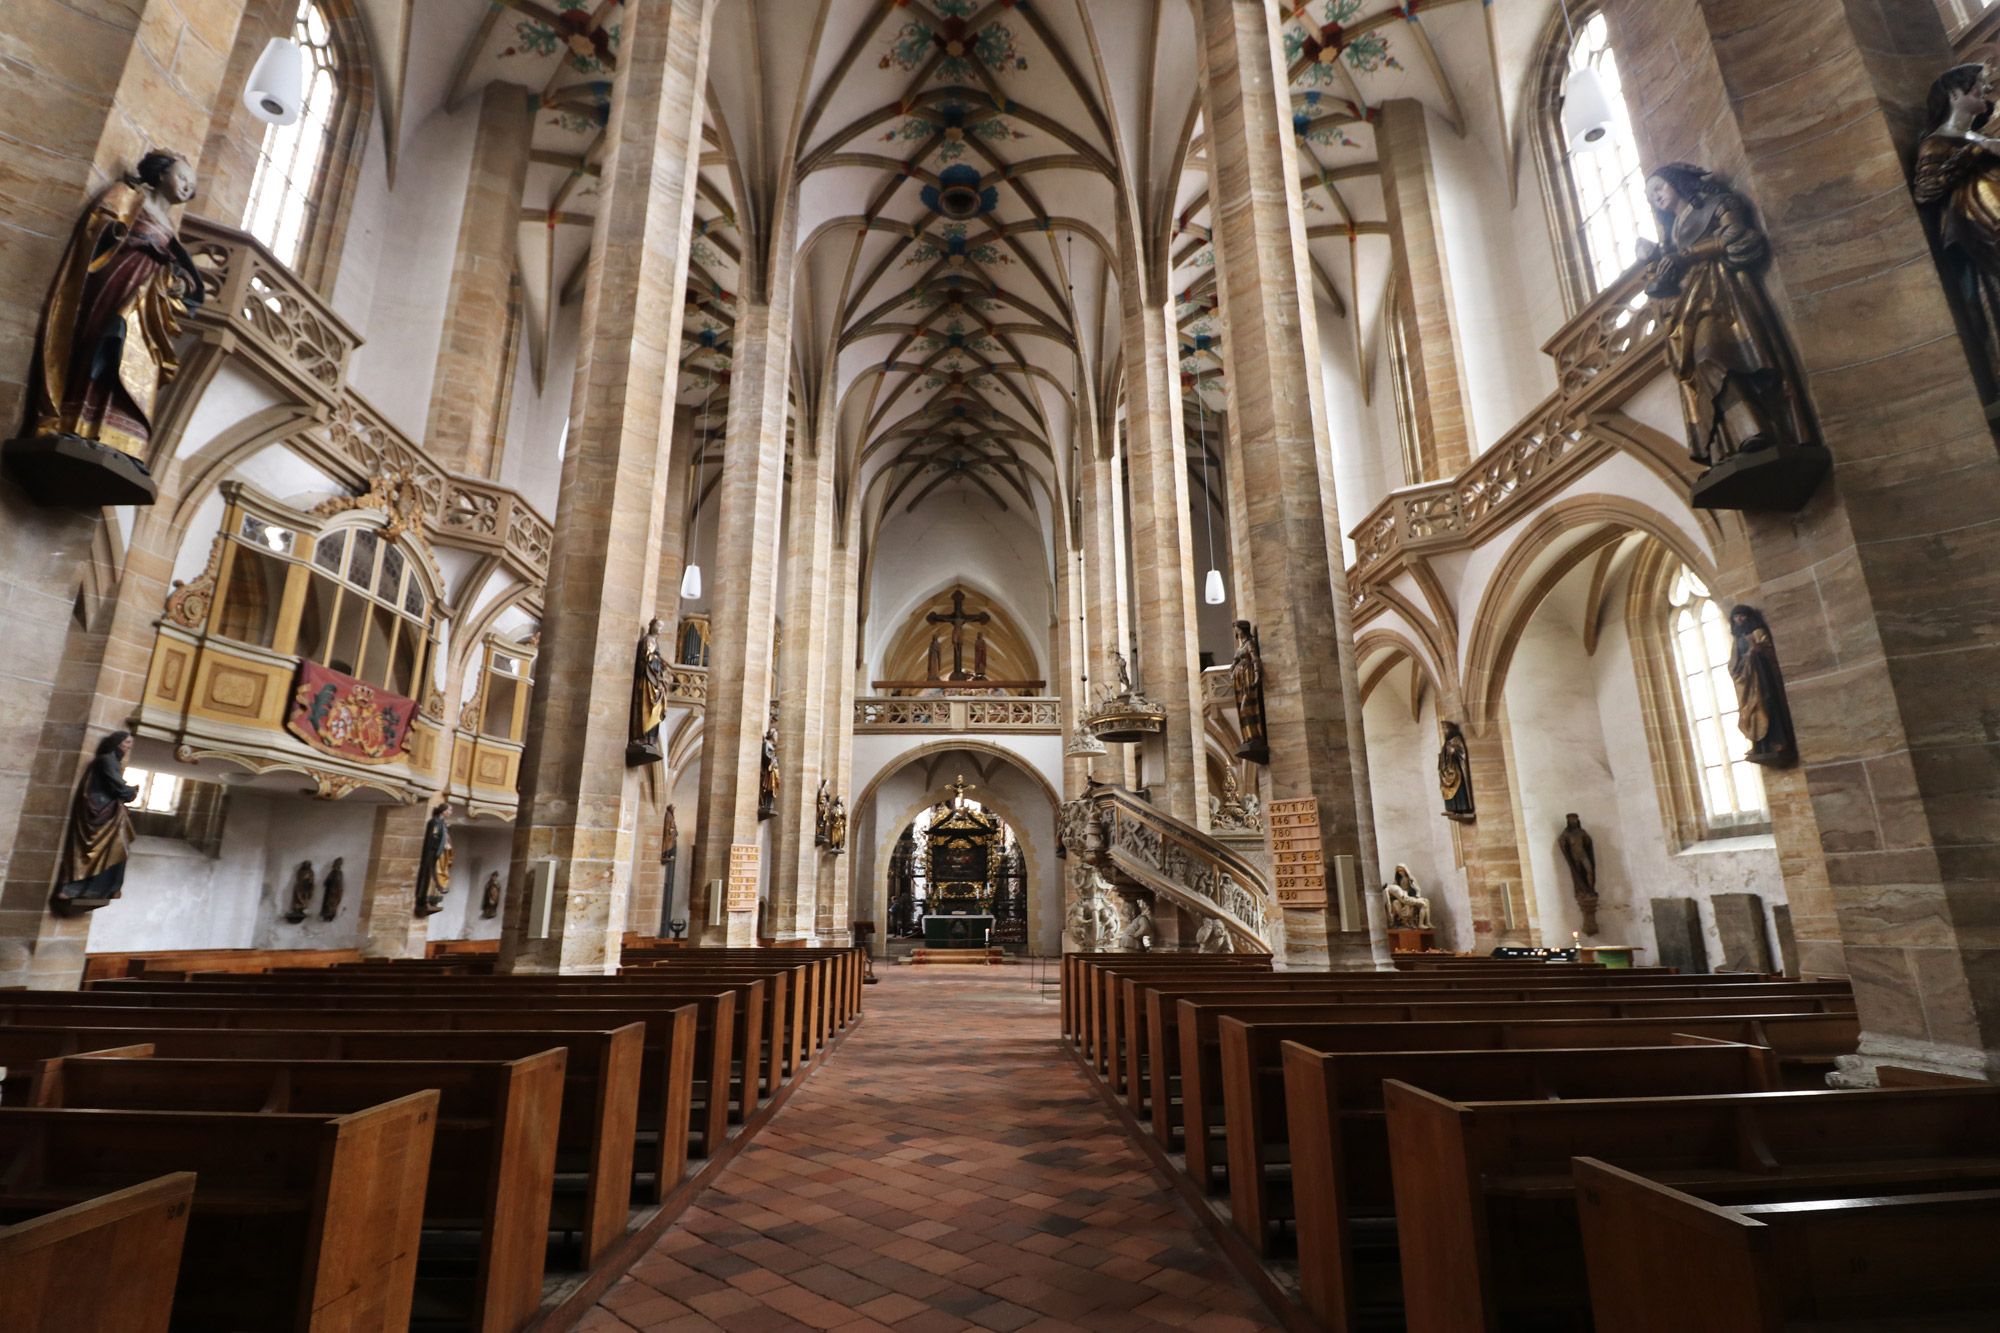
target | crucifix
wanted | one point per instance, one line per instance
(959, 789)
(958, 620)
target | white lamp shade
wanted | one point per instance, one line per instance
(275, 91)
(1214, 593)
(1586, 116)
(690, 583)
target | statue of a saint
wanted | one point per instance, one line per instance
(489, 897)
(1958, 176)
(670, 848)
(649, 699)
(1227, 812)
(823, 804)
(767, 777)
(1137, 934)
(434, 863)
(1739, 389)
(303, 887)
(1455, 776)
(979, 657)
(100, 831)
(1121, 676)
(1213, 937)
(1580, 854)
(333, 889)
(934, 660)
(1246, 673)
(836, 828)
(106, 344)
(1761, 711)
(1406, 905)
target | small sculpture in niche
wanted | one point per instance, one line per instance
(1762, 714)
(434, 864)
(824, 804)
(303, 888)
(1246, 673)
(1455, 776)
(1579, 853)
(1958, 180)
(836, 828)
(1741, 393)
(1405, 903)
(100, 832)
(1213, 937)
(489, 897)
(649, 699)
(332, 889)
(767, 777)
(106, 344)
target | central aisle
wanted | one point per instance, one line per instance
(947, 1168)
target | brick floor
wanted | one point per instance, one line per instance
(949, 1168)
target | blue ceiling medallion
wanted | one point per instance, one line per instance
(958, 195)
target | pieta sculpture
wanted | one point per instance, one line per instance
(1404, 902)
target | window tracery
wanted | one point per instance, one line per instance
(1732, 791)
(1597, 196)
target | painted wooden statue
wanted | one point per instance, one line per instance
(100, 831)
(1762, 713)
(1455, 776)
(332, 889)
(1579, 853)
(1958, 179)
(649, 699)
(1246, 674)
(434, 864)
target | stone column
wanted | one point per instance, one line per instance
(1491, 847)
(577, 797)
(99, 89)
(834, 923)
(387, 906)
(802, 685)
(1271, 354)
(1106, 629)
(744, 609)
(466, 392)
(649, 887)
(1423, 281)
(1879, 593)
(1169, 666)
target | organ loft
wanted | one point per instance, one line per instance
(1022, 664)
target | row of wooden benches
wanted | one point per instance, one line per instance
(1419, 1143)
(376, 1143)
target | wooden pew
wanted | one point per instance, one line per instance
(1333, 1138)
(600, 1100)
(1887, 1262)
(1485, 1200)
(180, 961)
(492, 1163)
(106, 1265)
(25, 1052)
(299, 1222)
(1150, 1005)
(1200, 1064)
(1092, 985)
(686, 1050)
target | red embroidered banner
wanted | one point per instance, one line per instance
(344, 716)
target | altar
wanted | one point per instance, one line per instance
(959, 930)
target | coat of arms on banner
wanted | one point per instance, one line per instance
(347, 717)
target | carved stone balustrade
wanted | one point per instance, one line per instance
(256, 308)
(1110, 827)
(688, 686)
(1603, 355)
(874, 714)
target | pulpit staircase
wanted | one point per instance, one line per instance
(1111, 830)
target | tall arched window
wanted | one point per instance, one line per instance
(1598, 195)
(285, 196)
(1732, 791)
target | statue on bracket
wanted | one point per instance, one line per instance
(1741, 393)
(303, 887)
(1762, 713)
(1958, 181)
(332, 889)
(489, 897)
(670, 849)
(1579, 853)
(767, 777)
(836, 828)
(100, 832)
(649, 699)
(1403, 900)
(434, 864)
(1455, 776)
(1246, 673)
(824, 804)
(106, 344)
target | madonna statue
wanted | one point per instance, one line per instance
(106, 343)
(1958, 177)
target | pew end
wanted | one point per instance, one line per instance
(127, 1242)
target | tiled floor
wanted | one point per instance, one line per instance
(947, 1168)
